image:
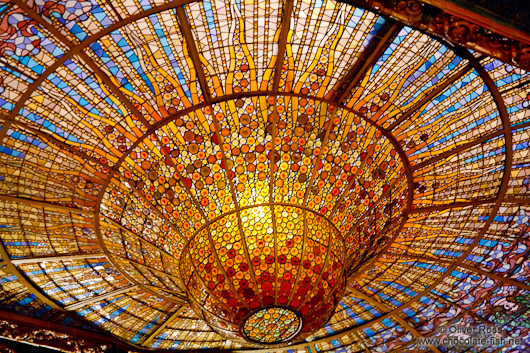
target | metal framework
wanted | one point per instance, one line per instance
(98, 298)
(28, 260)
(429, 97)
(398, 318)
(351, 79)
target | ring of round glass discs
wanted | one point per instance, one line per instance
(283, 318)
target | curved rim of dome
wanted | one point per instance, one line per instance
(154, 127)
(278, 343)
(179, 3)
(485, 77)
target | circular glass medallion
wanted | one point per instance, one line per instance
(272, 325)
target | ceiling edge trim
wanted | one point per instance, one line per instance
(457, 25)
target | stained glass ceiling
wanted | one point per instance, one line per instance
(152, 150)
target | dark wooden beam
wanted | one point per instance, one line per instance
(98, 298)
(368, 57)
(425, 100)
(158, 330)
(28, 260)
(46, 205)
(186, 31)
(442, 207)
(351, 79)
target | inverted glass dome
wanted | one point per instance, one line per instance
(235, 175)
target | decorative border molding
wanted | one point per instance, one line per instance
(48, 333)
(465, 29)
(49, 338)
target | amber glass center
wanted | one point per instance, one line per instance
(245, 205)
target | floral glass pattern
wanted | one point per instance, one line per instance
(272, 325)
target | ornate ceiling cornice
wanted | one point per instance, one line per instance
(37, 332)
(44, 333)
(457, 25)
